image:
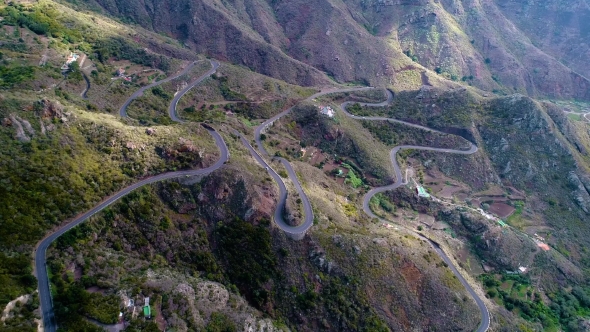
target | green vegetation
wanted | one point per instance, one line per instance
(516, 219)
(345, 303)
(381, 201)
(41, 19)
(220, 323)
(122, 49)
(204, 114)
(575, 116)
(515, 292)
(11, 76)
(352, 179)
(73, 168)
(246, 251)
(228, 93)
(72, 303)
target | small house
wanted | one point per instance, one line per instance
(72, 58)
(327, 111)
(120, 72)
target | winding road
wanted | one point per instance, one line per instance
(123, 109)
(172, 108)
(485, 315)
(85, 92)
(296, 232)
(40, 264)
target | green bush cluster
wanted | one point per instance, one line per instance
(564, 310)
(72, 303)
(344, 302)
(247, 252)
(220, 323)
(352, 179)
(11, 76)
(227, 92)
(40, 19)
(122, 49)
(202, 114)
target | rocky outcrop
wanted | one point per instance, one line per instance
(20, 132)
(46, 108)
(580, 194)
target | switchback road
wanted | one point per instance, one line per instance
(297, 232)
(485, 315)
(139, 92)
(172, 112)
(47, 312)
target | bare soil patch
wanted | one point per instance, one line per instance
(502, 210)
(449, 191)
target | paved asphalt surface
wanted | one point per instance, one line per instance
(84, 93)
(47, 313)
(123, 109)
(297, 231)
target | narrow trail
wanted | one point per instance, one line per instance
(40, 264)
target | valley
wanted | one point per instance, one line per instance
(292, 166)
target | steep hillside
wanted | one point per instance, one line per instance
(560, 28)
(510, 213)
(473, 42)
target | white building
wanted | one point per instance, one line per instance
(327, 110)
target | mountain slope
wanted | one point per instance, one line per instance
(362, 42)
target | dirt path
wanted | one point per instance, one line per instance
(6, 313)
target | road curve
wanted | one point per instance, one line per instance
(485, 315)
(139, 92)
(296, 231)
(84, 93)
(172, 112)
(40, 263)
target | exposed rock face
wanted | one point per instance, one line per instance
(186, 145)
(20, 132)
(50, 109)
(224, 196)
(580, 194)
(27, 126)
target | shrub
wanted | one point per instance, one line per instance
(220, 323)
